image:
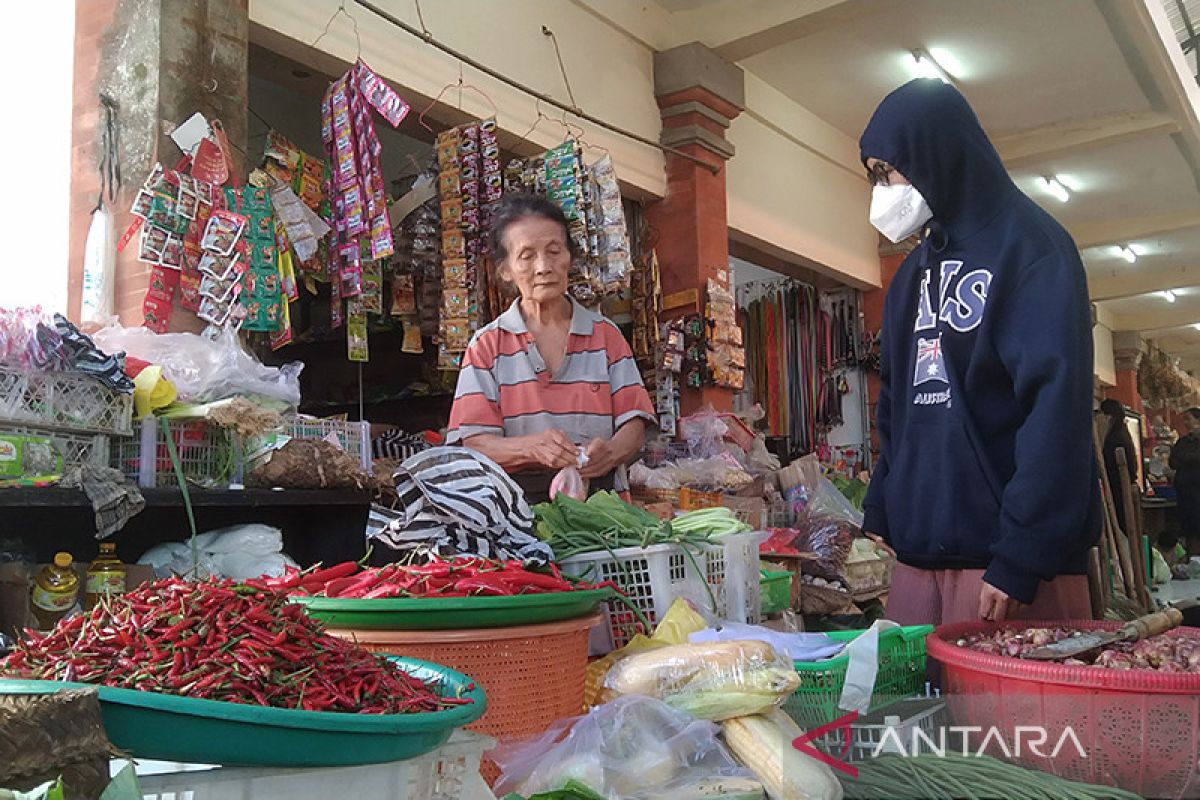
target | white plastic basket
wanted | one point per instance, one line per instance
(449, 773)
(869, 733)
(208, 454)
(63, 401)
(76, 449)
(353, 437)
(216, 457)
(652, 577)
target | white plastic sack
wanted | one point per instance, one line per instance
(174, 558)
(243, 566)
(205, 370)
(253, 539)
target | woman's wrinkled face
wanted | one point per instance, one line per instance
(538, 258)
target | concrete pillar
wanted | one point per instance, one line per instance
(1127, 352)
(699, 94)
(161, 60)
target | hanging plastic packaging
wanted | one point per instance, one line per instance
(99, 265)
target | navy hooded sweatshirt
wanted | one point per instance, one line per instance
(984, 416)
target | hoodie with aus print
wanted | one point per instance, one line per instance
(984, 415)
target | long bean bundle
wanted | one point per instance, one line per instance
(605, 522)
(965, 777)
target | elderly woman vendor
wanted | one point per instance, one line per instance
(548, 377)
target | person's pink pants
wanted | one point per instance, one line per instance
(940, 596)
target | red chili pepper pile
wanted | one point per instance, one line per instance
(218, 641)
(462, 576)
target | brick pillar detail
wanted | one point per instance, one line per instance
(161, 60)
(1127, 352)
(699, 94)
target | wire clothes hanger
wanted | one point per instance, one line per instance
(460, 85)
(341, 10)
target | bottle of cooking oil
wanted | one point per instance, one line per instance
(55, 591)
(105, 576)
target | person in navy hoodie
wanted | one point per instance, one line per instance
(986, 486)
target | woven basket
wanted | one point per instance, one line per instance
(823, 600)
(43, 736)
(643, 494)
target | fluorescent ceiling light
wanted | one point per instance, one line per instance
(1068, 181)
(1169, 296)
(926, 66)
(1126, 252)
(1053, 186)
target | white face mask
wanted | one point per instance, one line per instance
(898, 211)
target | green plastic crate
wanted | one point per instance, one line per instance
(776, 591)
(901, 674)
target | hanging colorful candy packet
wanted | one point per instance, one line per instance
(356, 331)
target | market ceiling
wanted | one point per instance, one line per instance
(1097, 93)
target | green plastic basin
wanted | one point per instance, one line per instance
(173, 728)
(776, 591)
(452, 613)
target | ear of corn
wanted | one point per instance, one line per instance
(787, 774)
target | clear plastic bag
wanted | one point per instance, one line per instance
(825, 500)
(634, 748)
(204, 370)
(710, 680)
(830, 537)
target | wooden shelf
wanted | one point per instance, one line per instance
(55, 497)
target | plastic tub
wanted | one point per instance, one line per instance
(901, 674)
(449, 613)
(1138, 729)
(776, 591)
(173, 728)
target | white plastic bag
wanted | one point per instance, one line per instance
(243, 566)
(710, 680)
(205, 370)
(99, 266)
(253, 539)
(633, 748)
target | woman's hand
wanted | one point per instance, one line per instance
(601, 459)
(878, 541)
(554, 449)
(995, 605)
(605, 455)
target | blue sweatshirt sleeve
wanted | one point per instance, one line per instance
(1044, 339)
(874, 508)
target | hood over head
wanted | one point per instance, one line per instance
(928, 132)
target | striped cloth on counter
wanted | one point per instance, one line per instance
(453, 500)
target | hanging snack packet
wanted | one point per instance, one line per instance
(356, 331)
(404, 298)
(372, 287)
(412, 338)
(223, 231)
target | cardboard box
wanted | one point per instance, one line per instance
(750, 510)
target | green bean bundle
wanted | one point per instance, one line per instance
(964, 777)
